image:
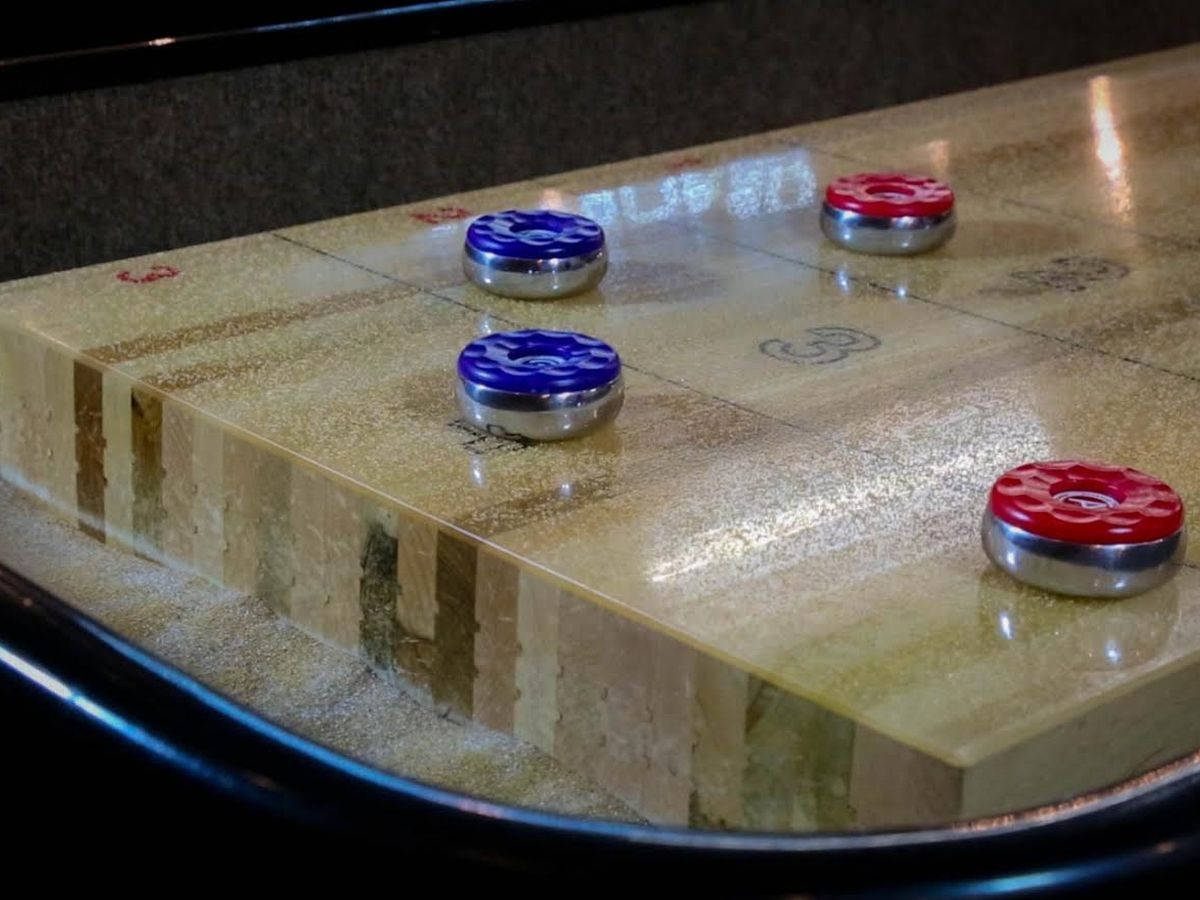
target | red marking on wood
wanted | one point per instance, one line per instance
(155, 273)
(683, 162)
(441, 214)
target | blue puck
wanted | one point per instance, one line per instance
(534, 254)
(539, 385)
(535, 234)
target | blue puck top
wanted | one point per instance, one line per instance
(539, 362)
(535, 234)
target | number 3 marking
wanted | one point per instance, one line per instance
(830, 343)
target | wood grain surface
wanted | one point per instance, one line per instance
(757, 599)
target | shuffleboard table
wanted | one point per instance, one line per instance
(758, 598)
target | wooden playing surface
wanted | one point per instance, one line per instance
(758, 599)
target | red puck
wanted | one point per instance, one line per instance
(1086, 503)
(890, 195)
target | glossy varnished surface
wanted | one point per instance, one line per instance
(794, 485)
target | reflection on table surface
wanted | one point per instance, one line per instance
(758, 599)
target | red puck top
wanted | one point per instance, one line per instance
(1086, 503)
(890, 195)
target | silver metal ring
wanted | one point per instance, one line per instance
(539, 417)
(1082, 570)
(534, 279)
(899, 236)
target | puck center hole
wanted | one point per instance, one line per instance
(891, 191)
(1087, 496)
(531, 232)
(538, 357)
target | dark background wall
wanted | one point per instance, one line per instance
(103, 173)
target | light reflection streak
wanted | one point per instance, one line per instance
(99, 712)
(1006, 626)
(834, 510)
(833, 514)
(939, 159)
(34, 674)
(1110, 151)
(699, 190)
(750, 187)
(843, 281)
(488, 325)
(552, 199)
(668, 190)
(1112, 651)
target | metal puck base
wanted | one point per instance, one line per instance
(539, 417)
(534, 279)
(899, 236)
(1081, 570)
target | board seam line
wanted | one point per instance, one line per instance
(833, 273)
(868, 282)
(879, 286)
(508, 321)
